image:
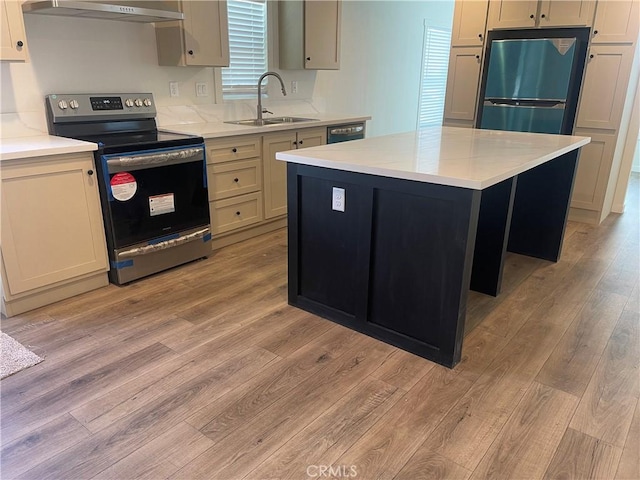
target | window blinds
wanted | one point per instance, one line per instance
(247, 46)
(433, 83)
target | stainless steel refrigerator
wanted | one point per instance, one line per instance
(531, 80)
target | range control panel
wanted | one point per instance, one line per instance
(95, 107)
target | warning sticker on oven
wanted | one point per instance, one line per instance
(161, 204)
(123, 186)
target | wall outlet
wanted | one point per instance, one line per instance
(338, 199)
(201, 90)
(294, 86)
(173, 89)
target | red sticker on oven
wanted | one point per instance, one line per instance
(123, 186)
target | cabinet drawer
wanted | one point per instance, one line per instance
(234, 178)
(234, 148)
(236, 212)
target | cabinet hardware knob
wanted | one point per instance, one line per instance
(591, 56)
(190, 52)
(479, 35)
(478, 57)
(234, 150)
(236, 180)
(595, 32)
(300, 142)
(295, 143)
(543, 16)
(532, 16)
(238, 213)
(308, 59)
(19, 43)
(89, 172)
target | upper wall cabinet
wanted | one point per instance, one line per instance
(616, 22)
(462, 83)
(469, 20)
(309, 34)
(543, 13)
(201, 39)
(12, 38)
(604, 88)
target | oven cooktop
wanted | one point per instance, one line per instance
(113, 121)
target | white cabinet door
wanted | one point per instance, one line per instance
(275, 173)
(322, 34)
(512, 13)
(201, 39)
(12, 37)
(208, 34)
(52, 226)
(594, 168)
(469, 20)
(616, 21)
(546, 13)
(559, 13)
(311, 137)
(462, 83)
(309, 34)
(605, 86)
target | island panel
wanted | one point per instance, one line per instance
(395, 265)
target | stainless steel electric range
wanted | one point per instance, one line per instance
(153, 184)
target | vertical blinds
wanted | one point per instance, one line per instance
(433, 84)
(247, 46)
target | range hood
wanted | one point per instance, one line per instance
(125, 11)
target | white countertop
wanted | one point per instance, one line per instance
(221, 129)
(459, 157)
(41, 145)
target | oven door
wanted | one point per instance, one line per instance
(153, 194)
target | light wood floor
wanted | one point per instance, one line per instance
(206, 372)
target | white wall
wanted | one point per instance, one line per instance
(70, 55)
(381, 52)
(381, 59)
(635, 166)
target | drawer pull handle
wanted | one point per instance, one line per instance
(89, 172)
(234, 150)
(236, 180)
(300, 142)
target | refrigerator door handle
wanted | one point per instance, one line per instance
(524, 103)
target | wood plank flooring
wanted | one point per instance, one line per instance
(204, 371)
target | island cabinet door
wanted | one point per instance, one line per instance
(390, 258)
(332, 254)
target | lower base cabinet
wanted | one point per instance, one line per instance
(248, 186)
(275, 171)
(592, 175)
(53, 242)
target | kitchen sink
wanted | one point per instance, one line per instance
(253, 122)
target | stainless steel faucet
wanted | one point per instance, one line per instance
(284, 92)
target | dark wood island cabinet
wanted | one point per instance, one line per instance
(387, 235)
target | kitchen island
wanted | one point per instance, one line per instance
(387, 234)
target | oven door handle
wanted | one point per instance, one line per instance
(174, 242)
(157, 159)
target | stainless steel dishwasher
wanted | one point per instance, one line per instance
(346, 132)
